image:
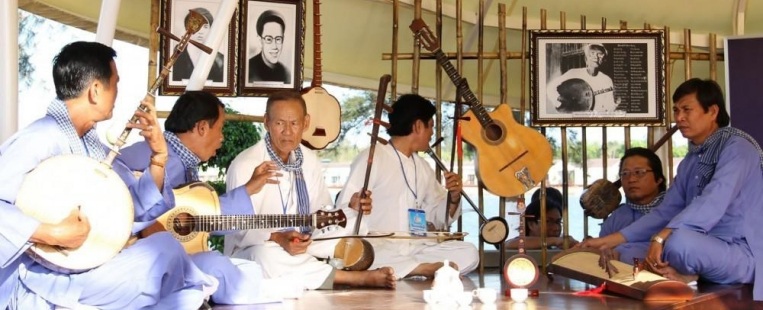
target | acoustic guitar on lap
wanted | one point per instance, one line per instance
(324, 110)
(511, 158)
(197, 213)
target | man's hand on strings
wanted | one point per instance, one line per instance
(265, 173)
(292, 242)
(148, 125)
(603, 243)
(606, 256)
(356, 203)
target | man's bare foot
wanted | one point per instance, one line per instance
(428, 269)
(670, 273)
(383, 277)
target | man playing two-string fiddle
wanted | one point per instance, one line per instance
(405, 189)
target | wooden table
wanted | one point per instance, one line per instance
(554, 294)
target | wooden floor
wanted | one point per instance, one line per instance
(554, 294)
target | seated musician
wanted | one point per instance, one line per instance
(405, 186)
(299, 190)
(153, 272)
(554, 237)
(644, 187)
(194, 132)
(708, 224)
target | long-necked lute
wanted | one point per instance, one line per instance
(65, 182)
(511, 158)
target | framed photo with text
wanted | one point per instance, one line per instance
(597, 77)
(272, 46)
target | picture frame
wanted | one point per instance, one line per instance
(627, 87)
(268, 66)
(222, 78)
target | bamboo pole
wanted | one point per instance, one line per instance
(542, 219)
(228, 117)
(584, 142)
(416, 66)
(518, 55)
(604, 152)
(565, 167)
(153, 43)
(504, 100)
(668, 114)
(626, 129)
(395, 53)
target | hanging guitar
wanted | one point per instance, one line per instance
(324, 110)
(576, 95)
(603, 196)
(511, 158)
(92, 186)
(493, 230)
(357, 253)
(197, 213)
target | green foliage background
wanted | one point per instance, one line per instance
(238, 137)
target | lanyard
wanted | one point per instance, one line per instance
(285, 204)
(415, 174)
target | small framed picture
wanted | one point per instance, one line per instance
(221, 79)
(597, 77)
(272, 46)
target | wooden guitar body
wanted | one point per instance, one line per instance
(191, 200)
(63, 183)
(511, 158)
(325, 118)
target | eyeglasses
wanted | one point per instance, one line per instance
(639, 173)
(269, 39)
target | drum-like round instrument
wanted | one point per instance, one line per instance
(63, 183)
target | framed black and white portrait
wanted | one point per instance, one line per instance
(597, 77)
(221, 79)
(272, 46)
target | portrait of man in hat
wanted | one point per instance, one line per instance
(584, 87)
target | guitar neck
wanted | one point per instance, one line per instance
(474, 104)
(209, 223)
(317, 67)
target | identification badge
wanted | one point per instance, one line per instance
(417, 222)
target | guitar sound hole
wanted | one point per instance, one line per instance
(183, 224)
(493, 132)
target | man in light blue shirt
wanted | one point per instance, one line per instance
(152, 273)
(644, 186)
(705, 228)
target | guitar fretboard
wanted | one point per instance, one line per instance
(241, 222)
(479, 110)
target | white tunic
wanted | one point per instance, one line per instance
(393, 195)
(282, 199)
